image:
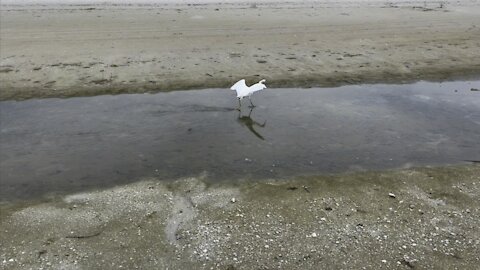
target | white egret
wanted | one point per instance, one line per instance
(246, 91)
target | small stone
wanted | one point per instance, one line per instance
(411, 263)
(233, 200)
(267, 246)
(314, 235)
(391, 195)
(384, 261)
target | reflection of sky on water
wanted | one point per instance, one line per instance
(73, 144)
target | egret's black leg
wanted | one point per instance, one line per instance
(251, 106)
(239, 104)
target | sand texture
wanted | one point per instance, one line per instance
(407, 219)
(80, 50)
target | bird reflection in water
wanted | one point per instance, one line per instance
(246, 120)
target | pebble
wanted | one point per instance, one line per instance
(392, 195)
(233, 200)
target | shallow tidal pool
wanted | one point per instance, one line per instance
(67, 145)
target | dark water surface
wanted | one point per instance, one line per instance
(66, 145)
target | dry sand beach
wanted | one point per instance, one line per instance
(77, 50)
(406, 218)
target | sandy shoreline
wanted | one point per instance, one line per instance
(424, 218)
(89, 50)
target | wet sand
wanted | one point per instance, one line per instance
(82, 50)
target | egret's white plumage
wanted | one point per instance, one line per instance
(246, 91)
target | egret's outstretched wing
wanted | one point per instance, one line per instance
(239, 86)
(257, 87)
